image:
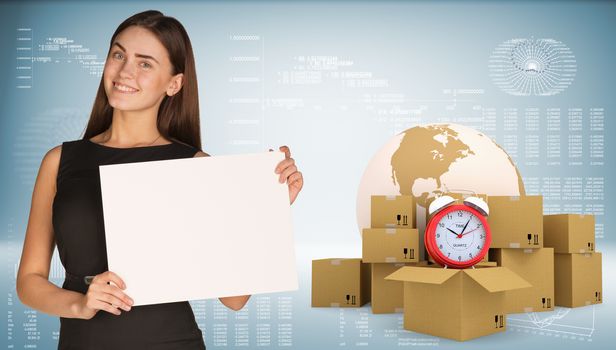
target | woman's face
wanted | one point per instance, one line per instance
(138, 73)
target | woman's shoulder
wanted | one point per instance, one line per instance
(49, 166)
(53, 155)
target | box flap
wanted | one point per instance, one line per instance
(422, 274)
(497, 279)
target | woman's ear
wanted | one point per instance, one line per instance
(175, 85)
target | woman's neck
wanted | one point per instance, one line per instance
(132, 129)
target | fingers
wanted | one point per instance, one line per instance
(101, 305)
(286, 150)
(286, 173)
(113, 300)
(283, 165)
(108, 297)
(296, 178)
(96, 300)
(109, 276)
(116, 292)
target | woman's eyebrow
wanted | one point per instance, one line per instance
(137, 54)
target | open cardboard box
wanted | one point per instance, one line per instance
(456, 304)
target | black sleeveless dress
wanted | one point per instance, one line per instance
(80, 236)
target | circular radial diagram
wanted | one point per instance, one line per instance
(540, 67)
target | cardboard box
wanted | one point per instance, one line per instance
(390, 245)
(577, 279)
(516, 222)
(392, 212)
(569, 233)
(340, 283)
(386, 296)
(536, 266)
(456, 304)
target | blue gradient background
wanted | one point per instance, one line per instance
(421, 48)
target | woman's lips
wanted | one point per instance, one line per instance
(124, 88)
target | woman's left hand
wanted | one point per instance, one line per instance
(289, 173)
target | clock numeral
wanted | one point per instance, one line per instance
(448, 254)
(482, 236)
(438, 235)
(440, 246)
(449, 216)
(459, 258)
(460, 214)
(470, 255)
(478, 247)
(440, 224)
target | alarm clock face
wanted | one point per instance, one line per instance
(458, 236)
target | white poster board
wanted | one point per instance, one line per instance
(198, 228)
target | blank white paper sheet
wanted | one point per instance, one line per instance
(199, 228)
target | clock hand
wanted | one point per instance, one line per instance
(450, 230)
(460, 235)
(464, 229)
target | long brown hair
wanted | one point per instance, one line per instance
(178, 115)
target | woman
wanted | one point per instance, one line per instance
(146, 109)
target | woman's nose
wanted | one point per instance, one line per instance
(127, 71)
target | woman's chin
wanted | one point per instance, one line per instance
(124, 106)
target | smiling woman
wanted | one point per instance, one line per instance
(150, 69)
(146, 109)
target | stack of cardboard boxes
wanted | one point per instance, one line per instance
(391, 242)
(457, 304)
(530, 254)
(577, 266)
(516, 224)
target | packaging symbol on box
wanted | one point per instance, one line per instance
(340, 283)
(390, 245)
(536, 266)
(577, 279)
(392, 212)
(516, 222)
(569, 233)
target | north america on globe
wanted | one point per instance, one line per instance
(428, 160)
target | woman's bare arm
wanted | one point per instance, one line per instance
(233, 303)
(33, 286)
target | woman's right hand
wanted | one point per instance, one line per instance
(104, 296)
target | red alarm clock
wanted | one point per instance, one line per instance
(457, 235)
